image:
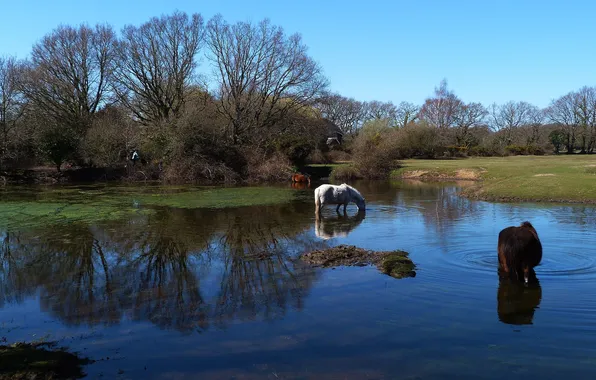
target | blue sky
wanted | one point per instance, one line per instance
(489, 51)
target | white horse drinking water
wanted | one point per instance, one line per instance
(338, 195)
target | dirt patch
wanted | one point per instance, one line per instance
(396, 264)
(415, 173)
(458, 174)
(33, 361)
(467, 174)
(544, 175)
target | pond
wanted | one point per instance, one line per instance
(184, 282)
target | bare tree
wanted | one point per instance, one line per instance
(440, 110)
(70, 73)
(512, 115)
(562, 111)
(466, 117)
(406, 113)
(156, 65)
(262, 75)
(346, 113)
(11, 102)
(376, 110)
(585, 109)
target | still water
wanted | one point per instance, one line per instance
(218, 293)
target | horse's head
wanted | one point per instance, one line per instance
(360, 203)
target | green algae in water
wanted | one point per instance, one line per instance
(219, 198)
(29, 214)
(66, 205)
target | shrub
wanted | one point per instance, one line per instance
(344, 173)
(274, 168)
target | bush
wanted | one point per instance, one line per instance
(344, 173)
(109, 139)
(274, 168)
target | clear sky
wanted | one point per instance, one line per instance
(489, 51)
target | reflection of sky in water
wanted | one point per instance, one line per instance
(350, 322)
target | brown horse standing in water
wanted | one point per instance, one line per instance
(519, 251)
(297, 177)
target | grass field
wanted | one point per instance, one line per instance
(518, 178)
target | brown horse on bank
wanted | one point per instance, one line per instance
(519, 251)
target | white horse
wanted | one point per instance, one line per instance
(338, 195)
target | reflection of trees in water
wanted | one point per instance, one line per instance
(260, 277)
(161, 282)
(15, 282)
(339, 226)
(152, 269)
(74, 275)
(439, 205)
(516, 302)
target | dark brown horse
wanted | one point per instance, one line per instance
(519, 251)
(298, 177)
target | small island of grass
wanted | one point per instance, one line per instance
(396, 263)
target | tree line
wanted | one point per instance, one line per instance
(89, 95)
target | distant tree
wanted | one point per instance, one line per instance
(262, 75)
(467, 116)
(585, 109)
(70, 73)
(11, 102)
(346, 113)
(156, 65)
(562, 111)
(441, 110)
(406, 113)
(376, 110)
(510, 116)
(557, 138)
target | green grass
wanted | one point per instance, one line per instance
(518, 178)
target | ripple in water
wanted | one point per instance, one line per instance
(555, 262)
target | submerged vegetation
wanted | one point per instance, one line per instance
(396, 264)
(66, 205)
(39, 361)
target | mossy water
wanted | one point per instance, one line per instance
(206, 282)
(26, 207)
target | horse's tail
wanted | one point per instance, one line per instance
(317, 199)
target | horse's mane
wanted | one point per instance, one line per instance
(353, 190)
(530, 227)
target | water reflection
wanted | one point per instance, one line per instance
(337, 226)
(517, 302)
(153, 268)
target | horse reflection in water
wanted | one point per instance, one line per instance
(339, 226)
(516, 302)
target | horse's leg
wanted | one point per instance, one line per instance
(345, 205)
(337, 208)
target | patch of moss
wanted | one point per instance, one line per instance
(220, 197)
(32, 360)
(32, 213)
(396, 264)
(66, 205)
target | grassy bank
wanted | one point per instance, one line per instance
(518, 178)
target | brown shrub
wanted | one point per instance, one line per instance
(274, 168)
